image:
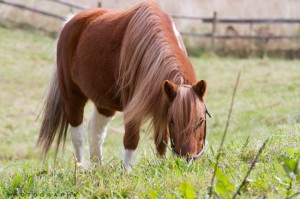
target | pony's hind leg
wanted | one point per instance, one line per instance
(74, 108)
(97, 132)
(77, 137)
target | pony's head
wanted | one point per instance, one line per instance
(186, 118)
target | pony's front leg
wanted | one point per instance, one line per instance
(130, 141)
(97, 132)
(161, 145)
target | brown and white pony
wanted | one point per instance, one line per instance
(132, 61)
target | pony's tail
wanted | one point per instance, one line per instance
(54, 119)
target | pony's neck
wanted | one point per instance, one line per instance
(185, 74)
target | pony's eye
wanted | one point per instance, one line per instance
(199, 123)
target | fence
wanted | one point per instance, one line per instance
(214, 21)
(62, 2)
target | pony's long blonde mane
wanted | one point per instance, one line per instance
(148, 57)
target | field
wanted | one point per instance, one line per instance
(267, 104)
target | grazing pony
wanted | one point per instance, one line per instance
(132, 61)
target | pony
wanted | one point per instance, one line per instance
(132, 61)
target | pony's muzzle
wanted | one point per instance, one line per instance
(189, 157)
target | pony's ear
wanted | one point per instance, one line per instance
(170, 89)
(200, 89)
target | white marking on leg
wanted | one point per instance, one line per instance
(129, 159)
(77, 137)
(96, 134)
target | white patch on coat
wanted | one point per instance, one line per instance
(179, 38)
(68, 18)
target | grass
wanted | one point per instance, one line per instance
(266, 105)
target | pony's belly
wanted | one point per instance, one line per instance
(112, 103)
(103, 95)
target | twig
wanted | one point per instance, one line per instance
(75, 170)
(224, 134)
(289, 189)
(292, 196)
(250, 169)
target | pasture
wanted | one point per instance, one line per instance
(267, 104)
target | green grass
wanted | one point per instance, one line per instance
(266, 105)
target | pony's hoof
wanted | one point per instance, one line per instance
(81, 167)
(96, 160)
(79, 164)
(161, 156)
(128, 168)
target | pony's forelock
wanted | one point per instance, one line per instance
(185, 111)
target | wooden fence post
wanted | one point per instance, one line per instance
(213, 33)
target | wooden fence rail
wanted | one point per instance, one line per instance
(255, 37)
(23, 7)
(214, 21)
(72, 5)
(237, 21)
